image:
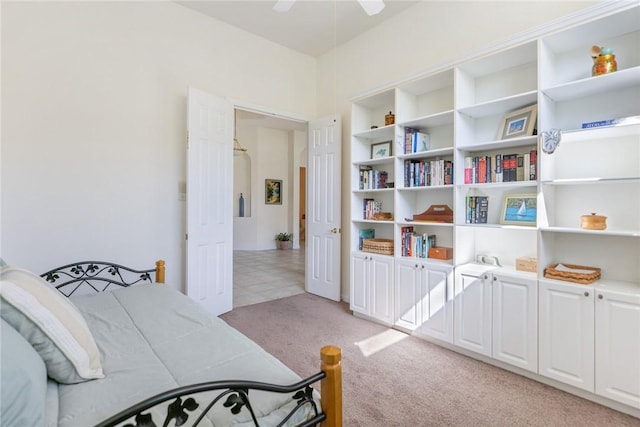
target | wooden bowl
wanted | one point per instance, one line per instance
(593, 222)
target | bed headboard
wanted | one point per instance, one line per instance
(98, 276)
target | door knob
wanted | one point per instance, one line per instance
(335, 230)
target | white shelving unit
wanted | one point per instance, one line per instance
(597, 170)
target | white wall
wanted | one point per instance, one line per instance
(274, 155)
(94, 106)
(94, 123)
(422, 37)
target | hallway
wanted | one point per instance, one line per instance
(260, 276)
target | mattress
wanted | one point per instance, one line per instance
(151, 339)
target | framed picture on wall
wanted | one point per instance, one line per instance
(273, 191)
(519, 123)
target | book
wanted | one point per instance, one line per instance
(468, 170)
(519, 168)
(420, 142)
(533, 165)
(408, 139)
(482, 209)
(498, 168)
(482, 170)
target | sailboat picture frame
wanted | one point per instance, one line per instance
(519, 209)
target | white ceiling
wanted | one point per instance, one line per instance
(310, 26)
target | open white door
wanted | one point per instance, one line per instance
(324, 179)
(209, 209)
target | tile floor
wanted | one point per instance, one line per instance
(260, 276)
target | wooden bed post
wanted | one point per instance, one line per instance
(331, 385)
(160, 271)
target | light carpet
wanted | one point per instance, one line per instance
(391, 379)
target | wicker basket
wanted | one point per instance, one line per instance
(378, 246)
(583, 278)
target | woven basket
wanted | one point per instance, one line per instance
(378, 246)
(551, 273)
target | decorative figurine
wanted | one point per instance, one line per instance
(604, 61)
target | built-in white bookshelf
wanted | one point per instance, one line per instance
(463, 108)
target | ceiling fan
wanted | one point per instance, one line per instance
(371, 7)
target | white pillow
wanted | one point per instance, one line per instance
(52, 324)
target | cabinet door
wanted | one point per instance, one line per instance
(515, 321)
(407, 294)
(618, 347)
(567, 334)
(381, 288)
(437, 309)
(359, 291)
(472, 312)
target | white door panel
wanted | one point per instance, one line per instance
(323, 208)
(209, 209)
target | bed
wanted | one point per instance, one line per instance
(101, 344)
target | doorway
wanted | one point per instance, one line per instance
(275, 150)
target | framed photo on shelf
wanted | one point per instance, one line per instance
(519, 123)
(380, 150)
(273, 191)
(519, 209)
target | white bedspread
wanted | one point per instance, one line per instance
(151, 339)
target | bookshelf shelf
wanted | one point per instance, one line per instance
(607, 232)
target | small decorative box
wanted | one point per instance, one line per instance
(527, 264)
(440, 252)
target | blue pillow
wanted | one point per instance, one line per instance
(24, 381)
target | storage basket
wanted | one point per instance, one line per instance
(378, 246)
(583, 278)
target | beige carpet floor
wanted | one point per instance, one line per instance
(391, 379)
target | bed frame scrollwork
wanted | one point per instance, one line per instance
(98, 276)
(234, 396)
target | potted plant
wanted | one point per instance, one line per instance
(283, 240)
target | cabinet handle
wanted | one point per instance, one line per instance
(416, 265)
(600, 296)
(485, 277)
(423, 266)
(586, 294)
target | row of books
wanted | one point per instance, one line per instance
(371, 207)
(476, 209)
(501, 168)
(415, 141)
(416, 245)
(425, 173)
(372, 178)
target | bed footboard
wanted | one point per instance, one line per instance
(98, 276)
(235, 396)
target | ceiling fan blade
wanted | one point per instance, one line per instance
(372, 7)
(283, 5)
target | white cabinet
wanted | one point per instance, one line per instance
(590, 338)
(567, 333)
(496, 314)
(424, 298)
(515, 319)
(472, 308)
(618, 346)
(371, 291)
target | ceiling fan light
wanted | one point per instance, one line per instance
(372, 7)
(283, 5)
